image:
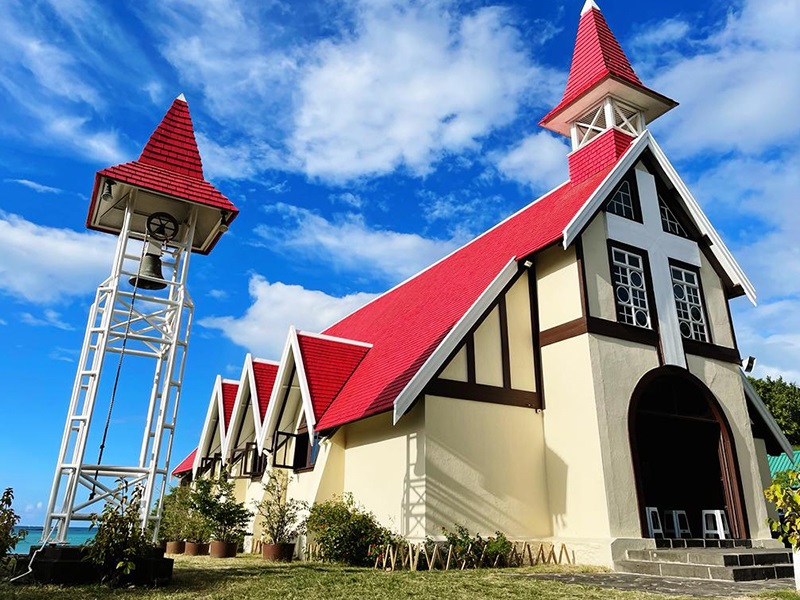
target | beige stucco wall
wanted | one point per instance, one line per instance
(488, 357)
(520, 335)
(599, 290)
(764, 473)
(558, 287)
(575, 482)
(628, 362)
(485, 468)
(716, 305)
(724, 381)
(456, 369)
(384, 468)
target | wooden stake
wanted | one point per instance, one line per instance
(449, 555)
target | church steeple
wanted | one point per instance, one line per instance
(603, 91)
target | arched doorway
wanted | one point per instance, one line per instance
(683, 452)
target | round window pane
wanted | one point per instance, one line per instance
(623, 295)
(641, 318)
(697, 314)
(636, 279)
(679, 291)
(686, 329)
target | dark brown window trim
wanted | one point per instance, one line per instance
(483, 393)
(622, 331)
(505, 352)
(648, 277)
(722, 353)
(696, 271)
(533, 294)
(582, 276)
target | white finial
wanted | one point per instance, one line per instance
(589, 5)
(182, 98)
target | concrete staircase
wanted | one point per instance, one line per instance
(736, 560)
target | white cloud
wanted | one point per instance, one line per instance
(49, 318)
(350, 244)
(218, 294)
(348, 198)
(45, 264)
(263, 328)
(539, 161)
(36, 187)
(240, 160)
(668, 31)
(410, 85)
(465, 213)
(68, 355)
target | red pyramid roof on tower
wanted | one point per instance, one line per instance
(597, 56)
(170, 164)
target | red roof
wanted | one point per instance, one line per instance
(264, 375)
(597, 55)
(169, 164)
(407, 324)
(186, 464)
(328, 364)
(228, 400)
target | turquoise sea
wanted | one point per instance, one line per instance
(75, 535)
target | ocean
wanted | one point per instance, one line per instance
(75, 535)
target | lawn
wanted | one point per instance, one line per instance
(251, 577)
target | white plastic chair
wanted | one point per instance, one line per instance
(715, 525)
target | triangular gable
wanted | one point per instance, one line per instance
(220, 408)
(595, 201)
(252, 398)
(408, 323)
(186, 464)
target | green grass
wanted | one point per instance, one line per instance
(250, 577)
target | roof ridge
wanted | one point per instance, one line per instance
(333, 338)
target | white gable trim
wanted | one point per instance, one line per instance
(330, 338)
(763, 412)
(592, 205)
(305, 392)
(435, 361)
(255, 398)
(213, 410)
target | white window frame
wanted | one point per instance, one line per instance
(629, 279)
(689, 304)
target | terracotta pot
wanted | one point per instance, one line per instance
(223, 549)
(176, 547)
(283, 552)
(195, 549)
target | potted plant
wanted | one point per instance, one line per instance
(196, 533)
(174, 512)
(784, 493)
(214, 499)
(280, 523)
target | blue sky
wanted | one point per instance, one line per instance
(362, 140)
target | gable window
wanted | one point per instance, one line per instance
(630, 288)
(668, 221)
(622, 202)
(689, 304)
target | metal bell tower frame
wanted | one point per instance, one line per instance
(162, 210)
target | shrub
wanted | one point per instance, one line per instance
(8, 537)
(280, 515)
(120, 540)
(467, 547)
(175, 515)
(783, 493)
(345, 532)
(214, 500)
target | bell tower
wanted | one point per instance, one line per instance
(162, 210)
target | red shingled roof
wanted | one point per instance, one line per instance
(228, 400)
(264, 375)
(406, 324)
(186, 464)
(169, 164)
(597, 55)
(327, 364)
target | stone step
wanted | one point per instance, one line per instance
(703, 571)
(716, 557)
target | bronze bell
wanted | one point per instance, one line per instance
(149, 272)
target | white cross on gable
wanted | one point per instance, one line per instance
(660, 246)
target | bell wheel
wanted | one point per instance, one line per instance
(162, 226)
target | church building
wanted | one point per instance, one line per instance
(554, 379)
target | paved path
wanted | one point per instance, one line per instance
(678, 586)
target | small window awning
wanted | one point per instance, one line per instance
(764, 424)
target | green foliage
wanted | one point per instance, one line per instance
(346, 532)
(280, 516)
(214, 501)
(8, 538)
(176, 523)
(784, 493)
(783, 400)
(466, 547)
(120, 541)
